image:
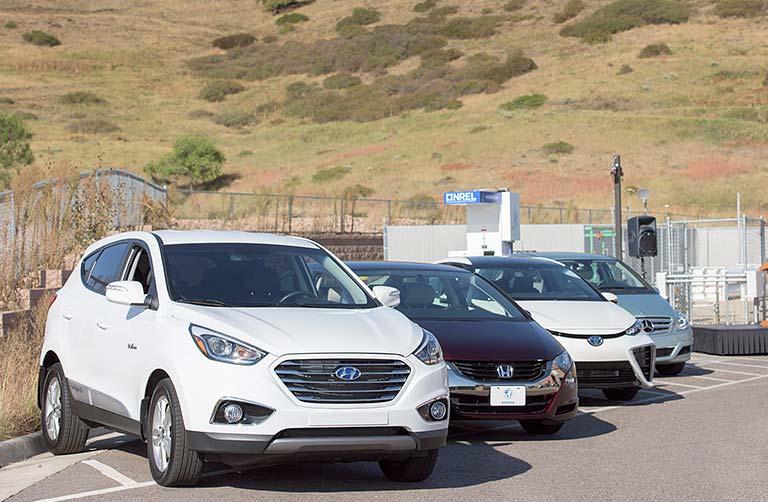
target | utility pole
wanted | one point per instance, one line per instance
(616, 174)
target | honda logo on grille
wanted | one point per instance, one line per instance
(505, 371)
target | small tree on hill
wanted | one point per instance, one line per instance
(14, 146)
(194, 160)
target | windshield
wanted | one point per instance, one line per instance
(436, 295)
(259, 275)
(540, 282)
(607, 275)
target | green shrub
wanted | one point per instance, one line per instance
(277, 6)
(80, 98)
(623, 15)
(558, 147)
(14, 146)
(93, 126)
(341, 81)
(478, 128)
(233, 41)
(41, 38)
(514, 5)
(571, 9)
(654, 50)
(245, 153)
(10, 25)
(625, 70)
(525, 102)
(193, 161)
(6, 101)
(597, 37)
(217, 90)
(267, 108)
(199, 114)
(292, 18)
(235, 119)
(424, 6)
(361, 17)
(330, 174)
(741, 8)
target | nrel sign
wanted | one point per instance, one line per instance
(471, 197)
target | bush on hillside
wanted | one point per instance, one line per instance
(233, 41)
(513, 5)
(424, 6)
(654, 50)
(558, 147)
(623, 15)
(361, 17)
(525, 102)
(10, 25)
(93, 126)
(193, 161)
(217, 90)
(14, 146)
(471, 27)
(235, 119)
(625, 70)
(277, 6)
(80, 98)
(292, 18)
(330, 174)
(571, 9)
(199, 114)
(741, 8)
(341, 81)
(41, 38)
(6, 101)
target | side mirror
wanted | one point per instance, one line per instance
(610, 297)
(127, 293)
(387, 295)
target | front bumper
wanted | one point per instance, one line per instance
(548, 398)
(674, 347)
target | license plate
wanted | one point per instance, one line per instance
(508, 395)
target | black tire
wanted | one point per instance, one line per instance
(626, 394)
(184, 465)
(671, 369)
(539, 427)
(410, 470)
(72, 433)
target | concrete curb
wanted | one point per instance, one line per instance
(21, 448)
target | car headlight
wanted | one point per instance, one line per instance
(634, 329)
(429, 352)
(682, 321)
(223, 348)
(564, 361)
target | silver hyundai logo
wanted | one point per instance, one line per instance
(348, 373)
(505, 371)
(595, 340)
(647, 325)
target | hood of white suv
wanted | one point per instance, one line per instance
(281, 331)
(579, 317)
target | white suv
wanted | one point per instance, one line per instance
(240, 348)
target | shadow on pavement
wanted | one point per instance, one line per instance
(692, 369)
(582, 426)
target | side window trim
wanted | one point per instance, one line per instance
(83, 278)
(100, 251)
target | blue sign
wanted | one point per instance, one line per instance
(471, 197)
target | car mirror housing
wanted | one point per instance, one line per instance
(610, 297)
(127, 293)
(387, 295)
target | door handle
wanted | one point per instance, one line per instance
(102, 325)
(67, 315)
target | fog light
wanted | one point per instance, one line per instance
(233, 413)
(438, 410)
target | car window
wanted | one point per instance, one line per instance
(140, 269)
(260, 275)
(107, 268)
(540, 282)
(85, 269)
(607, 275)
(430, 294)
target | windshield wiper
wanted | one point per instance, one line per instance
(204, 303)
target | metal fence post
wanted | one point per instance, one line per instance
(669, 245)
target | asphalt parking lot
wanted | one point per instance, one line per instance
(702, 435)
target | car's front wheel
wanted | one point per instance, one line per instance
(410, 470)
(670, 369)
(63, 432)
(539, 427)
(170, 461)
(627, 394)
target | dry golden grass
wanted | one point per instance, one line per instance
(663, 116)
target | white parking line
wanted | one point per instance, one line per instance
(92, 493)
(738, 358)
(740, 372)
(712, 378)
(765, 367)
(667, 382)
(110, 472)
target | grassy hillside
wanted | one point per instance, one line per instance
(437, 110)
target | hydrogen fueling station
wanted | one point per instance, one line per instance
(493, 220)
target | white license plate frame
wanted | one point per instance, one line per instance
(508, 395)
